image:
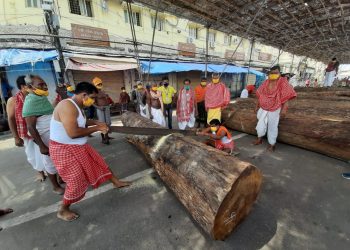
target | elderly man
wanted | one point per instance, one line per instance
(331, 72)
(79, 165)
(102, 106)
(273, 96)
(155, 105)
(217, 97)
(19, 130)
(37, 112)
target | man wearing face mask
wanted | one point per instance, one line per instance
(186, 109)
(155, 105)
(217, 97)
(79, 165)
(168, 97)
(37, 112)
(124, 99)
(19, 129)
(200, 95)
(273, 96)
(102, 107)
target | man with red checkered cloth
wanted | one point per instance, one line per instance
(77, 162)
(19, 129)
(273, 96)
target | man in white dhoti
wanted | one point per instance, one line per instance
(331, 72)
(37, 111)
(19, 130)
(273, 96)
(186, 109)
(155, 106)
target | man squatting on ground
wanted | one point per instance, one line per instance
(103, 109)
(78, 164)
(19, 130)
(273, 96)
(37, 112)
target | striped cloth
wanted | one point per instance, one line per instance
(271, 100)
(185, 105)
(79, 166)
(20, 121)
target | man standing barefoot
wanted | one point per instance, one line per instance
(77, 162)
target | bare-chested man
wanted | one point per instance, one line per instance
(76, 161)
(102, 106)
(155, 105)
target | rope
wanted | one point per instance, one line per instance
(133, 34)
(154, 32)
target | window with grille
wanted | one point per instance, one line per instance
(136, 17)
(193, 32)
(228, 40)
(33, 3)
(160, 23)
(81, 7)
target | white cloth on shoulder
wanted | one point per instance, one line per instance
(268, 122)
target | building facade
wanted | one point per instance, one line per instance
(102, 28)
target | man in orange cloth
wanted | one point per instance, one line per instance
(200, 96)
(273, 96)
(76, 161)
(217, 97)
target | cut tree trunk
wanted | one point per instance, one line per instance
(323, 130)
(217, 189)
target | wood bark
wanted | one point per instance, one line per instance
(321, 129)
(218, 190)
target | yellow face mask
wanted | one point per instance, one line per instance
(274, 76)
(41, 92)
(213, 129)
(70, 88)
(139, 87)
(203, 83)
(88, 102)
(154, 88)
(99, 86)
(216, 80)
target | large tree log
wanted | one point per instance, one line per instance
(325, 133)
(217, 189)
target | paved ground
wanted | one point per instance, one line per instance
(304, 204)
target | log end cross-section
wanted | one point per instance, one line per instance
(218, 190)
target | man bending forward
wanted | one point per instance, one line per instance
(77, 162)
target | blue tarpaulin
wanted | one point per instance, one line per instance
(10, 57)
(158, 67)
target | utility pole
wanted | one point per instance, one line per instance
(206, 50)
(53, 27)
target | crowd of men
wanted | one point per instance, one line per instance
(55, 137)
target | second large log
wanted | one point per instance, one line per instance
(320, 129)
(217, 189)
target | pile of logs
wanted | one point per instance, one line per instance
(316, 120)
(218, 190)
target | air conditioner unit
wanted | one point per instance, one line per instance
(190, 39)
(212, 44)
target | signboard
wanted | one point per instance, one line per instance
(238, 56)
(87, 32)
(187, 49)
(264, 56)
